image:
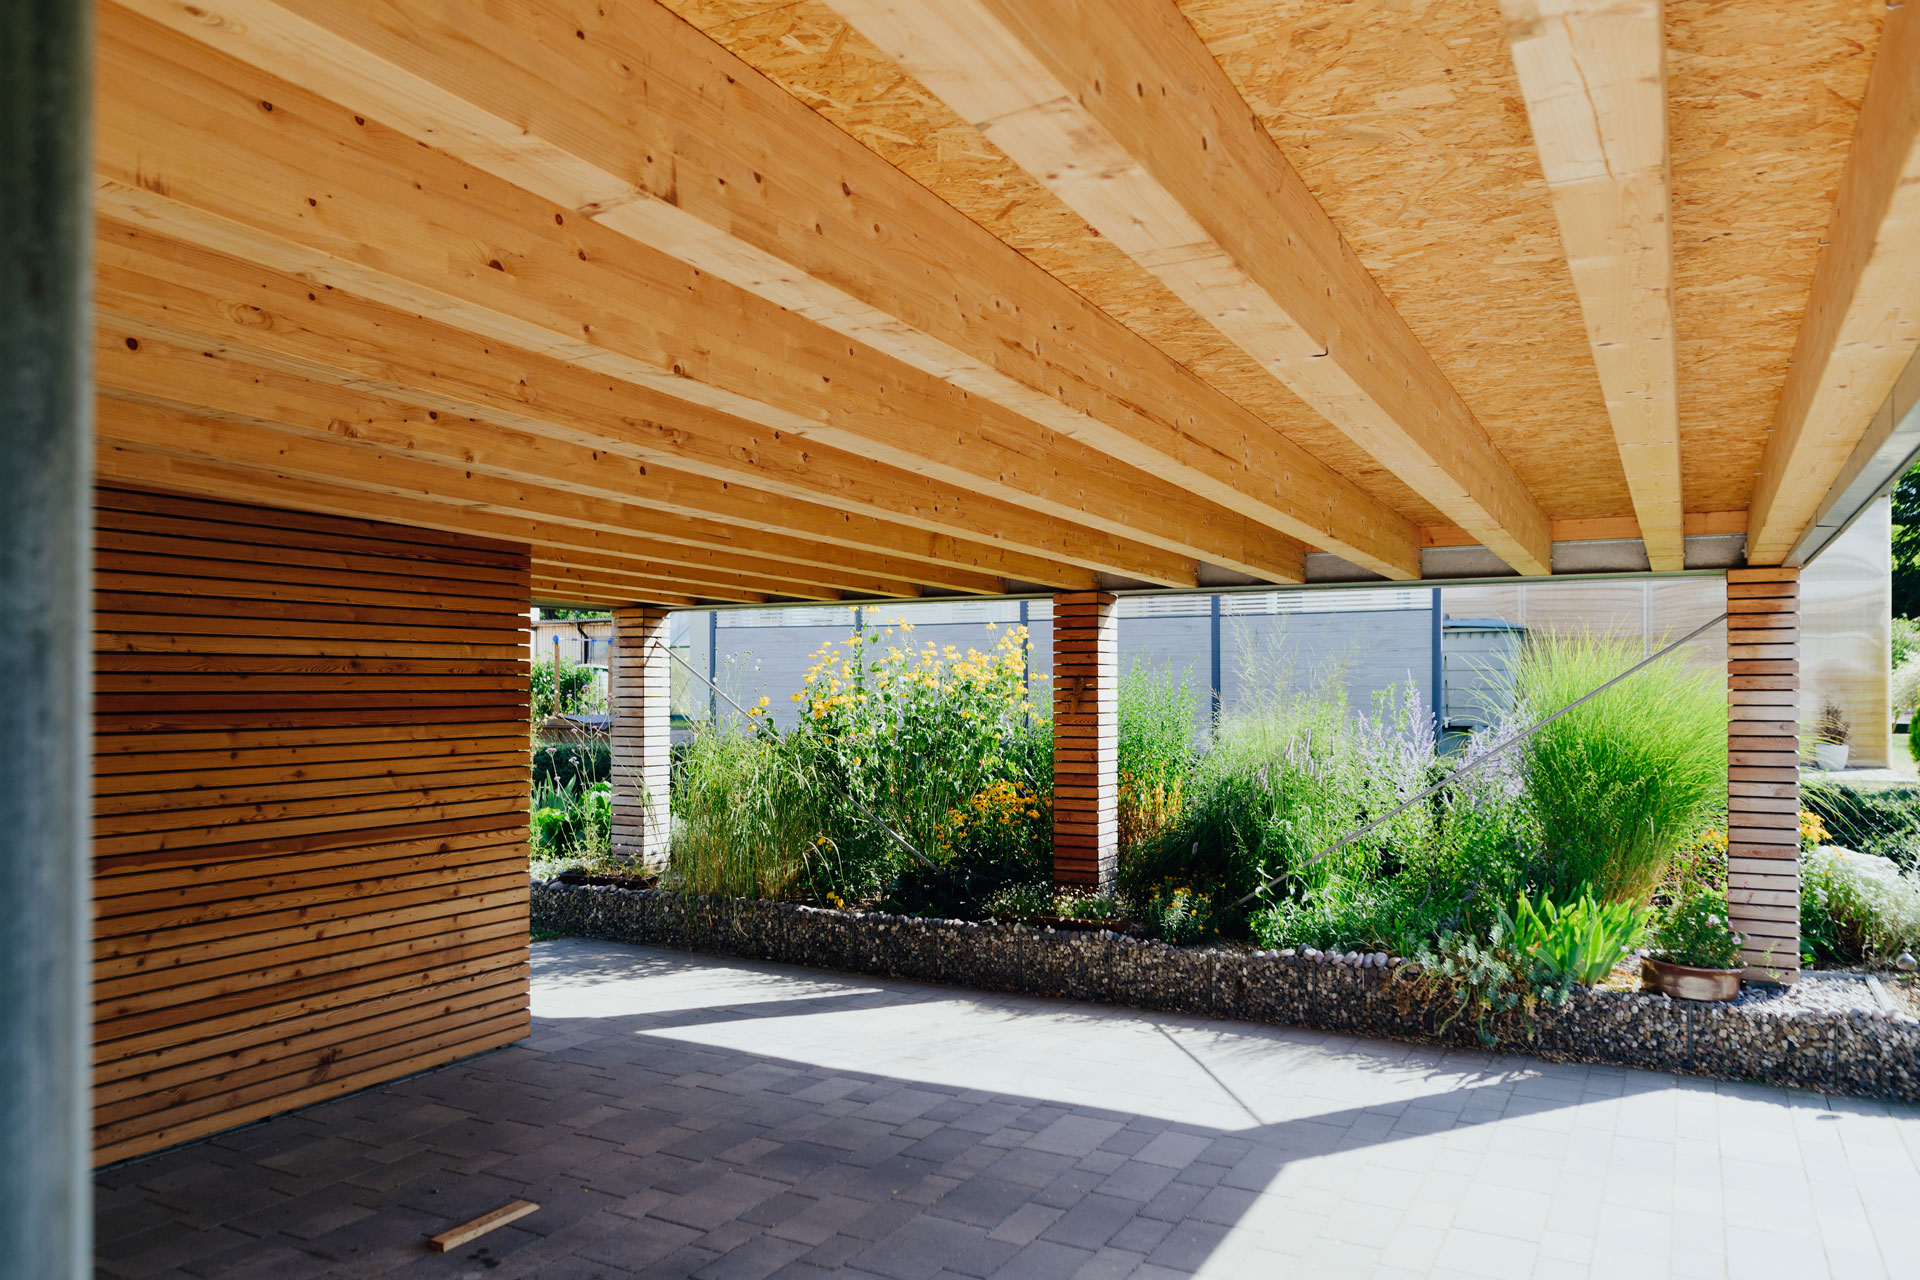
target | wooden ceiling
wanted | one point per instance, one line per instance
(727, 300)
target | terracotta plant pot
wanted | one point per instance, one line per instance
(1683, 982)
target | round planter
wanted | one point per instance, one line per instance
(1831, 757)
(1683, 982)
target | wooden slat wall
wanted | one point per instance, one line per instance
(1763, 767)
(310, 812)
(642, 734)
(1086, 739)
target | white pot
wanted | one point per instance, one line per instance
(1830, 757)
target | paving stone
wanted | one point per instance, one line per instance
(920, 1135)
(917, 1248)
(1092, 1222)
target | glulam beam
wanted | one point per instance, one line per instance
(1119, 109)
(133, 464)
(346, 202)
(1862, 324)
(630, 118)
(1593, 73)
(155, 289)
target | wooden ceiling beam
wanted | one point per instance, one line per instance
(155, 287)
(563, 594)
(273, 447)
(121, 464)
(713, 583)
(1120, 110)
(347, 202)
(632, 118)
(1862, 324)
(212, 384)
(616, 581)
(1593, 73)
(240, 481)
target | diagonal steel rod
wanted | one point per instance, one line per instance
(871, 815)
(1520, 735)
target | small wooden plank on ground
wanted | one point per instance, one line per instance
(511, 1212)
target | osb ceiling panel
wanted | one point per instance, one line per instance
(810, 52)
(1407, 123)
(1404, 118)
(1762, 99)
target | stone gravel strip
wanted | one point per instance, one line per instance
(1825, 1035)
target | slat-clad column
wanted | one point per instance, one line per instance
(1763, 773)
(1086, 739)
(642, 734)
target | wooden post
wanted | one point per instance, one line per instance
(640, 690)
(46, 637)
(1086, 739)
(1763, 768)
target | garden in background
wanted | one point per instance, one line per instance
(917, 782)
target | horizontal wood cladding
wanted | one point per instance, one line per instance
(310, 809)
(1086, 797)
(1763, 774)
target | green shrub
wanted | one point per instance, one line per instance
(998, 839)
(1579, 942)
(1487, 978)
(573, 763)
(571, 825)
(888, 740)
(1618, 784)
(1906, 642)
(578, 692)
(1038, 898)
(1694, 930)
(1181, 913)
(1281, 785)
(1364, 913)
(1867, 908)
(1156, 749)
(1903, 690)
(745, 818)
(1884, 821)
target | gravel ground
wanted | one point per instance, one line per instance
(1818, 991)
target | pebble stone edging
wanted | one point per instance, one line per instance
(1859, 1053)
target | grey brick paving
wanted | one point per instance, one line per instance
(685, 1117)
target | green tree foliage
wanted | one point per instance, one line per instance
(1906, 548)
(576, 692)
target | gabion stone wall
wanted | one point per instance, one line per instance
(1867, 1055)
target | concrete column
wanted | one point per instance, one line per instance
(1763, 767)
(641, 693)
(1086, 739)
(46, 476)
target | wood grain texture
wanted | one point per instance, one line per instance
(1123, 114)
(1086, 719)
(1862, 322)
(1763, 777)
(641, 693)
(393, 207)
(1594, 76)
(742, 180)
(310, 809)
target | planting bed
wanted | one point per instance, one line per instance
(1827, 1034)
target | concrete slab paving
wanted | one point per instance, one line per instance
(680, 1116)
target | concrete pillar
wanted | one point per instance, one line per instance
(1763, 767)
(1086, 739)
(46, 475)
(641, 693)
